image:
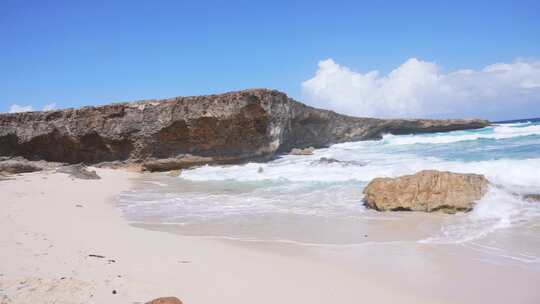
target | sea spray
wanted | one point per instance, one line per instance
(498, 209)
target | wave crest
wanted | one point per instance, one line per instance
(493, 132)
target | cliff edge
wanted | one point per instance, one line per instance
(185, 131)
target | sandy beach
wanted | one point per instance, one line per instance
(250, 152)
(63, 240)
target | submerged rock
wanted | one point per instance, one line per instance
(234, 127)
(165, 300)
(328, 160)
(305, 151)
(179, 162)
(532, 197)
(428, 191)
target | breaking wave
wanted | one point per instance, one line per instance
(308, 193)
(495, 132)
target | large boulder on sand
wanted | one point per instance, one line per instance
(427, 191)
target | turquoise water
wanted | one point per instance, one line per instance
(306, 207)
(298, 198)
(517, 141)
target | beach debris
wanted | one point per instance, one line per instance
(260, 170)
(79, 171)
(96, 256)
(304, 151)
(427, 191)
(79, 206)
(114, 291)
(165, 300)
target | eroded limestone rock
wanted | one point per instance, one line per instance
(427, 191)
(233, 127)
(305, 151)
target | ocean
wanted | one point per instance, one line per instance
(315, 202)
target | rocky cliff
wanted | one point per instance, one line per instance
(185, 131)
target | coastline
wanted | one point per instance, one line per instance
(51, 224)
(403, 252)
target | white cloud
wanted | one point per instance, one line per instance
(419, 89)
(15, 108)
(50, 107)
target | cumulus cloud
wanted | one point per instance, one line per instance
(420, 89)
(15, 108)
(50, 107)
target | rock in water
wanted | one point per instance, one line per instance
(328, 161)
(174, 173)
(180, 132)
(166, 300)
(305, 151)
(427, 191)
(532, 197)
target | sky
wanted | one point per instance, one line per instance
(432, 59)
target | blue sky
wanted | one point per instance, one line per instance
(78, 53)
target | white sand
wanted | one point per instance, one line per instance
(46, 240)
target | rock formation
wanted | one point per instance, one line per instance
(174, 173)
(304, 151)
(532, 197)
(185, 131)
(427, 191)
(329, 160)
(166, 300)
(79, 171)
(20, 165)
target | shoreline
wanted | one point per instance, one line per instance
(47, 240)
(402, 251)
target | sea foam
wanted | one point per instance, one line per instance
(495, 132)
(304, 187)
